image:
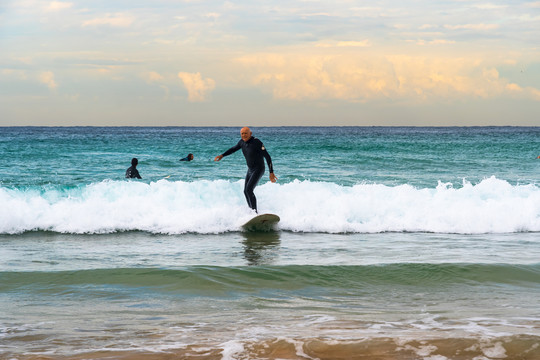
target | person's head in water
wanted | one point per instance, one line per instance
(188, 158)
(245, 133)
(134, 162)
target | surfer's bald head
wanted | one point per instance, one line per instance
(245, 133)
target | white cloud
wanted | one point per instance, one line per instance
(441, 42)
(535, 93)
(47, 78)
(114, 20)
(14, 73)
(361, 78)
(162, 41)
(315, 14)
(213, 15)
(198, 88)
(535, 4)
(363, 43)
(481, 27)
(515, 89)
(490, 6)
(58, 5)
(153, 76)
(435, 42)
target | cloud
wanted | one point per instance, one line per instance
(514, 87)
(535, 93)
(14, 73)
(299, 77)
(490, 6)
(481, 27)
(434, 42)
(535, 4)
(47, 78)
(363, 43)
(197, 87)
(213, 15)
(114, 20)
(164, 42)
(530, 92)
(360, 78)
(153, 76)
(58, 5)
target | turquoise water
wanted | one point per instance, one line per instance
(342, 155)
(414, 243)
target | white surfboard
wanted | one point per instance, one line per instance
(264, 222)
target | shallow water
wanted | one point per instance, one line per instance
(242, 294)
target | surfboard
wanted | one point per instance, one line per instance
(264, 222)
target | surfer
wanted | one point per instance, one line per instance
(254, 152)
(132, 172)
(188, 158)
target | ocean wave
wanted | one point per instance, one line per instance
(206, 207)
(220, 281)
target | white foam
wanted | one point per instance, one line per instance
(496, 351)
(492, 206)
(231, 349)
(423, 350)
(490, 350)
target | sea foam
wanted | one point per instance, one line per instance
(176, 207)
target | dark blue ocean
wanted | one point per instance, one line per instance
(394, 243)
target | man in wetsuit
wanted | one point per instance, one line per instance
(255, 153)
(132, 171)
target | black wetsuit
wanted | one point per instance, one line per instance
(254, 152)
(132, 173)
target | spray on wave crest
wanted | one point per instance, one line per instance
(491, 206)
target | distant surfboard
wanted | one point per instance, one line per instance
(264, 222)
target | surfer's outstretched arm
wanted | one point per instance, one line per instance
(235, 148)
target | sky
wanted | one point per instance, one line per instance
(269, 63)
